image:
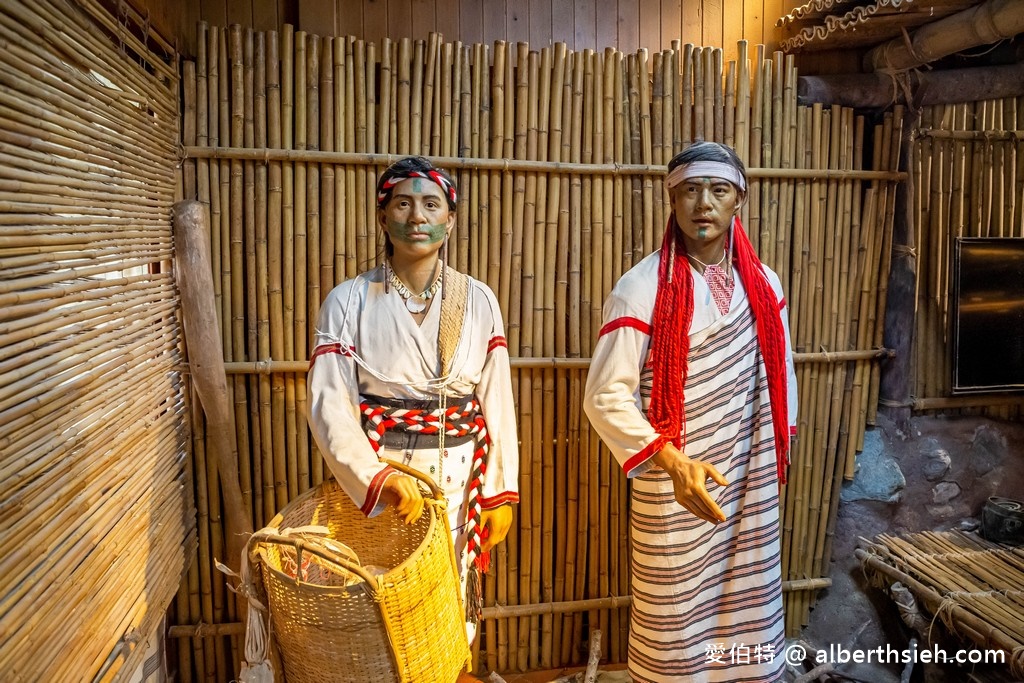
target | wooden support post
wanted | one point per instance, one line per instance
(896, 381)
(206, 360)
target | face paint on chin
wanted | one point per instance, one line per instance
(403, 231)
(702, 233)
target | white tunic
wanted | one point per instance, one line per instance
(707, 602)
(369, 345)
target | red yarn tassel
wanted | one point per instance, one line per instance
(771, 337)
(670, 338)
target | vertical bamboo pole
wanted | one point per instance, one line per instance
(327, 201)
(753, 224)
(230, 223)
(341, 107)
(676, 76)
(253, 461)
(498, 281)
(207, 178)
(188, 131)
(712, 82)
(353, 234)
(687, 113)
(637, 237)
(700, 112)
(297, 464)
(324, 264)
(284, 460)
(416, 98)
(429, 84)
(265, 457)
(465, 149)
(652, 232)
(275, 275)
(366, 234)
(237, 234)
(201, 602)
(657, 103)
(621, 243)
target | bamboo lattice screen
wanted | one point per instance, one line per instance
(97, 507)
(968, 168)
(559, 156)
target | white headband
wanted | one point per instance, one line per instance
(705, 169)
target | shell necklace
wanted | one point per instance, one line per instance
(416, 303)
(705, 266)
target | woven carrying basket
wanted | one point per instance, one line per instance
(337, 619)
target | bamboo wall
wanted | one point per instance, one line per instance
(97, 505)
(559, 156)
(968, 172)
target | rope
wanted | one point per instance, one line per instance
(256, 668)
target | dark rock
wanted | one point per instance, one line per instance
(945, 491)
(988, 450)
(936, 464)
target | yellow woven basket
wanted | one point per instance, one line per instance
(393, 615)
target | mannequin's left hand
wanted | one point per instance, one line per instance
(496, 523)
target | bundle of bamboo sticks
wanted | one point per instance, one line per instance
(97, 508)
(968, 182)
(973, 585)
(559, 157)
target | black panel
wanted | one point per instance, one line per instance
(988, 350)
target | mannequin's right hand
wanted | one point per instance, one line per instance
(404, 494)
(689, 482)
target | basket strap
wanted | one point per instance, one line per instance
(453, 316)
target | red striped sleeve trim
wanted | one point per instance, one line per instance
(782, 303)
(496, 342)
(499, 500)
(625, 321)
(792, 431)
(645, 454)
(324, 349)
(375, 488)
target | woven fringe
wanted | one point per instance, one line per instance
(474, 595)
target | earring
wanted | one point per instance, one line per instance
(444, 267)
(671, 258)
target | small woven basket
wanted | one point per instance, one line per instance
(393, 615)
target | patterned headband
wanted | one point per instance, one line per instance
(705, 169)
(388, 186)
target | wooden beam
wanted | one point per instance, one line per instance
(982, 24)
(973, 401)
(497, 611)
(267, 367)
(922, 88)
(266, 155)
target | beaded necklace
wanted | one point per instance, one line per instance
(416, 303)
